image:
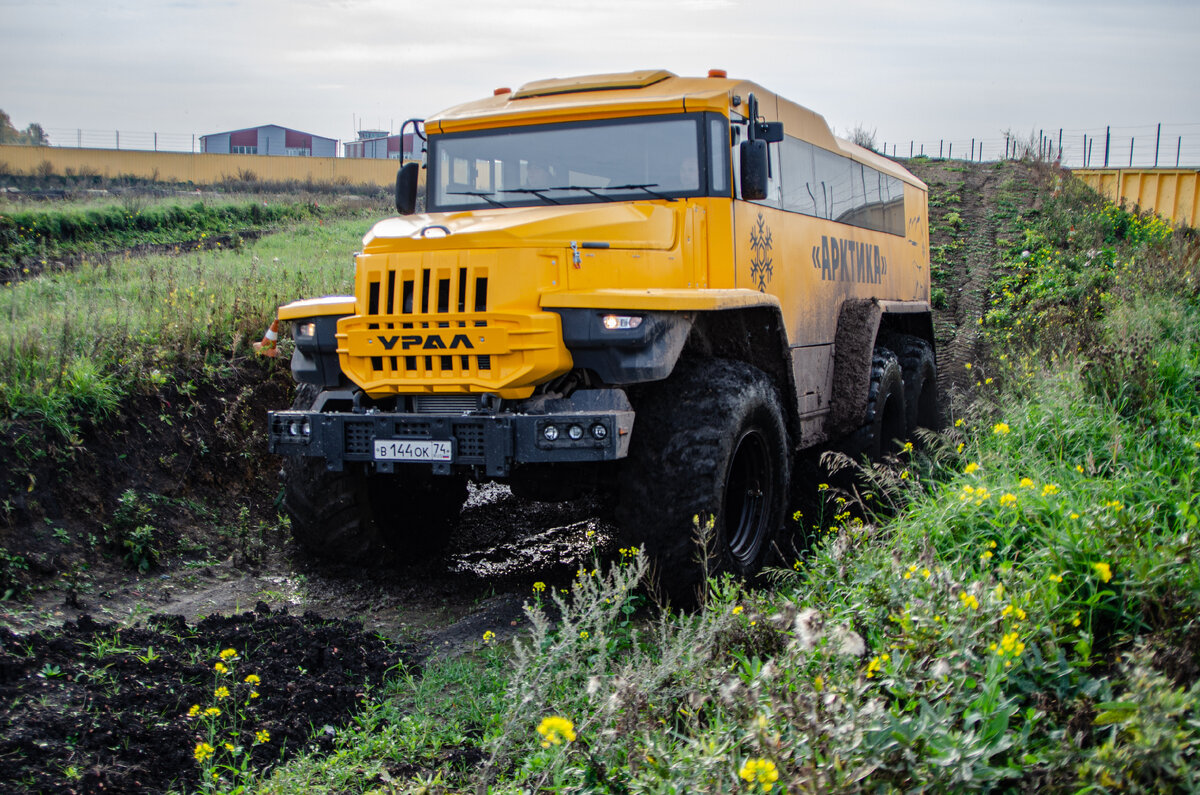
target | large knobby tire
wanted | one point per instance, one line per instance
(350, 516)
(708, 442)
(920, 383)
(886, 418)
(330, 512)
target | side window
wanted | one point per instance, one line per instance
(799, 190)
(718, 146)
(835, 196)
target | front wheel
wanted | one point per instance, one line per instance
(709, 444)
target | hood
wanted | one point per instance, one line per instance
(639, 225)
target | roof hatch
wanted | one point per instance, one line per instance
(609, 82)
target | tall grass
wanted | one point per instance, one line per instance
(72, 344)
(1014, 606)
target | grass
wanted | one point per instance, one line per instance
(1011, 606)
(40, 233)
(74, 344)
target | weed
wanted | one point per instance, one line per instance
(132, 530)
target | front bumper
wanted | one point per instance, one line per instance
(494, 442)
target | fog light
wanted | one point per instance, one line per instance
(575, 432)
(306, 330)
(305, 429)
(620, 322)
(294, 428)
(550, 432)
(599, 431)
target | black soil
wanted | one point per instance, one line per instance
(92, 707)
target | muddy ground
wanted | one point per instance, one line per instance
(101, 662)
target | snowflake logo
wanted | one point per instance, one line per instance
(761, 268)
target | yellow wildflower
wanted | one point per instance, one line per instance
(262, 736)
(958, 423)
(1103, 571)
(737, 609)
(1026, 483)
(971, 467)
(1049, 489)
(759, 772)
(1000, 428)
(252, 679)
(556, 731)
(228, 654)
(1008, 499)
(220, 668)
(969, 601)
(584, 634)
(538, 587)
(221, 692)
(203, 751)
(1056, 578)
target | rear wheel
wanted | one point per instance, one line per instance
(710, 442)
(920, 383)
(886, 418)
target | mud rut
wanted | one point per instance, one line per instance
(96, 684)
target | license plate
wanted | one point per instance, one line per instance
(405, 450)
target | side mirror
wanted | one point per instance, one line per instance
(406, 188)
(754, 169)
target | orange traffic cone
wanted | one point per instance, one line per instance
(267, 346)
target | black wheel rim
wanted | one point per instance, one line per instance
(748, 493)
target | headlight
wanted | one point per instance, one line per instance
(550, 432)
(575, 432)
(308, 329)
(621, 322)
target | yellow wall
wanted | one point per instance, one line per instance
(201, 169)
(1173, 193)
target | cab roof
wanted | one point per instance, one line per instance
(645, 92)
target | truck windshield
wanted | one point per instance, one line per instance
(660, 157)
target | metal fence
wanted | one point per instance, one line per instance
(1147, 146)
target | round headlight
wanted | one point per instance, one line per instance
(294, 428)
(550, 432)
(599, 431)
(575, 432)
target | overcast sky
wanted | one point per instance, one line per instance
(923, 69)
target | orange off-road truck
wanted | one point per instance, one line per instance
(656, 287)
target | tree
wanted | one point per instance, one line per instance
(33, 135)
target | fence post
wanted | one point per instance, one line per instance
(941, 143)
(1107, 141)
(155, 142)
(1060, 144)
(118, 132)
(972, 148)
(950, 153)
(910, 149)
(1157, 136)
(1178, 145)
(1131, 151)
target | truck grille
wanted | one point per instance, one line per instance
(428, 291)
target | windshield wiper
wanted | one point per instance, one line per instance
(536, 192)
(645, 187)
(485, 195)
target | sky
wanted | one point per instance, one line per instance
(923, 70)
